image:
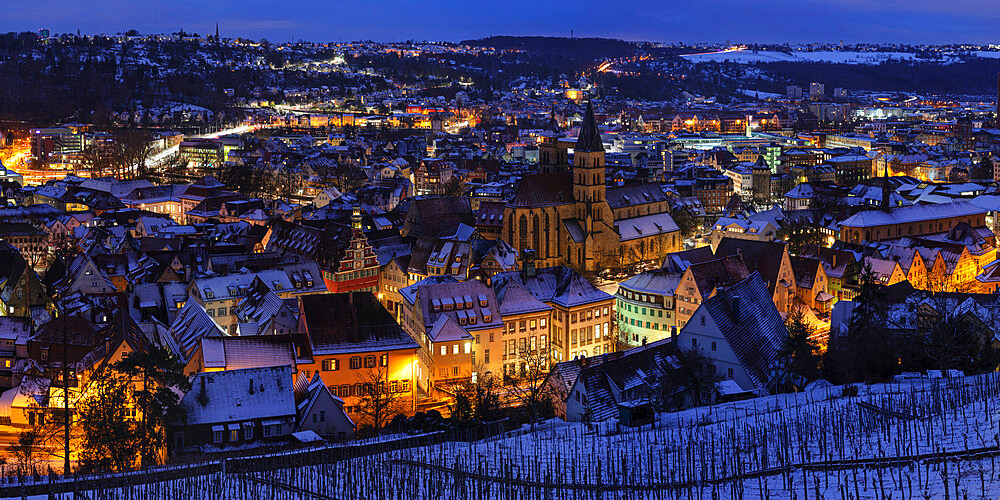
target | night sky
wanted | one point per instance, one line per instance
(905, 21)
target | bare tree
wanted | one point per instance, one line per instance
(479, 400)
(699, 375)
(527, 382)
(377, 400)
(26, 452)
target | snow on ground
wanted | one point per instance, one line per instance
(911, 438)
(759, 94)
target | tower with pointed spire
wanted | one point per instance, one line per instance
(588, 166)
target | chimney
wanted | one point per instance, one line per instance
(736, 307)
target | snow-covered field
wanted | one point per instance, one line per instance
(914, 438)
(750, 57)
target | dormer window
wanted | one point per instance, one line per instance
(209, 294)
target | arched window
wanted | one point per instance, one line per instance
(545, 241)
(535, 233)
(522, 233)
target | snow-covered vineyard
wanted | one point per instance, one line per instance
(912, 439)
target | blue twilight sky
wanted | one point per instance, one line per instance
(907, 21)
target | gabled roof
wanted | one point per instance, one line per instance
(718, 273)
(556, 285)
(191, 324)
(763, 257)
(240, 395)
(514, 299)
(629, 376)
(746, 316)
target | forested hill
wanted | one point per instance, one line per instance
(592, 47)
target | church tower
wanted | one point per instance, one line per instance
(589, 191)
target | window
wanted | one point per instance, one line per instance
(234, 435)
(322, 415)
(730, 373)
(355, 362)
(694, 342)
(268, 431)
(221, 312)
(532, 324)
(248, 432)
(444, 350)
(331, 365)
(541, 323)
(370, 361)
(384, 360)
(454, 349)
(597, 332)
(468, 348)
(345, 391)
(216, 437)
(454, 371)
(713, 345)
(486, 356)
(703, 320)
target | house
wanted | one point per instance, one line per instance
(352, 340)
(629, 385)
(741, 330)
(263, 312)
(318, 410)
(237, 407)
(581, 313)
(472, 308)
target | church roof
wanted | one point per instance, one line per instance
(542, 190)
(589, 140)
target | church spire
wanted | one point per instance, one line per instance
(590, 137)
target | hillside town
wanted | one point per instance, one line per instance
(338, 253)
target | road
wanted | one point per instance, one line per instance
(162, 157)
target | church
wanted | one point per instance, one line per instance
(568, 215)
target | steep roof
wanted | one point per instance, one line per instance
(631, 376)
(763, 257)
(589, 140)
(556, 285)
(718, 273)
(753, 328)
(542, 190)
